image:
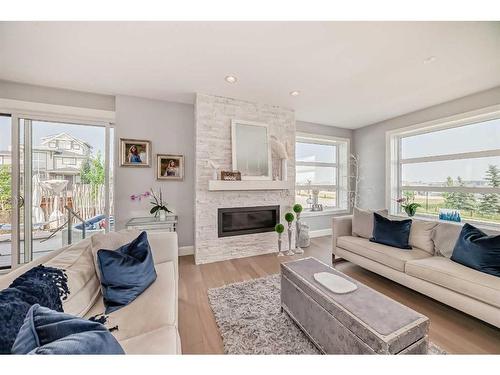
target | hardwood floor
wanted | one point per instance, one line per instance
(450, 329)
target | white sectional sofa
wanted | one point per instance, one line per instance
(148, 325)
(429, 271)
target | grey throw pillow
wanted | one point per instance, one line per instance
(421, 235)
(362, 221)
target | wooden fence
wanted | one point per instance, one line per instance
(85, 199)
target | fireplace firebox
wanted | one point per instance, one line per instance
(237, 221)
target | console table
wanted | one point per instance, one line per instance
(154, 223)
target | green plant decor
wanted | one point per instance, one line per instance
(289, 217)
(158, 204)
(279, 228)
(297, 208)
(409, 207)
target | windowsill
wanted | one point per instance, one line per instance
(326, 212)
(477, 224)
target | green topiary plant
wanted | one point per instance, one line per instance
(297, 208)
(279, 228)
(289, 217)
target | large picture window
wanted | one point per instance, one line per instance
(449, 167)
(321, 169)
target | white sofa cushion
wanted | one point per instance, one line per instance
(83, 284)
(154, 308)
(387, 255)
(111, 241)
(362, 221)
(164, 340)
(446, 273)
(421, 235)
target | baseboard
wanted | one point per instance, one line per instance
(320, 233)
(186, 250)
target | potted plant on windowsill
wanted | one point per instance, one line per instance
(159, 207)
(408, 205)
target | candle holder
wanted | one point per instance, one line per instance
(289, 218)
(297, 208)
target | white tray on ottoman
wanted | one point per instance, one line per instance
(362, 321)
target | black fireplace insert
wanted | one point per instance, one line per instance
(247, 220)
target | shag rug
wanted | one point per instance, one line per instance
(251, 322)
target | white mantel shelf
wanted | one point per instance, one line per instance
(219, 185)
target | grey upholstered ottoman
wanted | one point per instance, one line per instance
(360, 322)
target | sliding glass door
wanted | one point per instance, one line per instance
(62, 176)
(5, 191)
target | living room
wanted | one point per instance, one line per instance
(265, 187)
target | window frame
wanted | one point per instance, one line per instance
(394, 162)
(341, 165)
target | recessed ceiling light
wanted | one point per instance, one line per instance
(295, 93)
(231, 79)
(430, 60)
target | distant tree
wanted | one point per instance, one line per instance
(409, 195)
(465, 201)
(5, 187)
(92, 171)
(450, 199)
(490, 203)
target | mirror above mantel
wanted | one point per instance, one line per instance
(251, 150)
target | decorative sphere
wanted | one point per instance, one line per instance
(289, 217)
(279, 228)
(297, 208)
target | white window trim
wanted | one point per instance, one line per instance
(341, 186)
(394, 163)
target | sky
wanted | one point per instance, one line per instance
(94, 135)
(476, 137)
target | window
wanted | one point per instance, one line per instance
(321, 169)
(449, 167)
(69, 161)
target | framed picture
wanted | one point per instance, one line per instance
(169, 167)
(135, 153)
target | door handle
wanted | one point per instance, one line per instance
(21, 201)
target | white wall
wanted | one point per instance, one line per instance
(323, 222)
(49, 95)
(369, 141)
(170, 127)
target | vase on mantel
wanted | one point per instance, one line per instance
(163, 215)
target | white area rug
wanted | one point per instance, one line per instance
(251, 322)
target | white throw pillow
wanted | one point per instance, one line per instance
(421, 233)
(111, 241)
(362, 221)
(83, 284)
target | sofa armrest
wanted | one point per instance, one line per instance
(164, 246)
(341, 226)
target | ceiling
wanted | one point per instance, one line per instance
(350, 74)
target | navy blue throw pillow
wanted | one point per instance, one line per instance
(46, 331)
(126, 272)
(395, 233)
(475, 249)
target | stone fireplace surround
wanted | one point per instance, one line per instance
(213, 115)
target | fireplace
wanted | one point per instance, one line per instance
(247, 220)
